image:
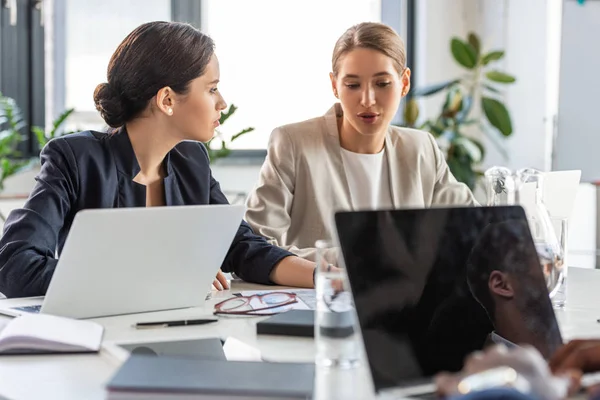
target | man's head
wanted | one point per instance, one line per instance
(505, 276)
(503, 267)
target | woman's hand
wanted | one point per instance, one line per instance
(220, 283)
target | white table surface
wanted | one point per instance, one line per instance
(84, 376)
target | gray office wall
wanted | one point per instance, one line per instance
(577, 143)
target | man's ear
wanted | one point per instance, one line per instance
(500, 285)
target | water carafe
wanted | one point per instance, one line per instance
(525, 188)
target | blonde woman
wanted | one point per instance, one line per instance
(350, 158)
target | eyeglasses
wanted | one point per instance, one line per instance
(257, 304)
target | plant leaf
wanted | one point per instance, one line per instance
(471, 148)
(481, 147)
(473, 40)
(241, 133)
(491, 88)
(466, 105)
(500, 77)
(432, 89)
(452, 104)
(493, 136)
(59, 121)
(227, 113)
(40, 135)
(492, 56)
(462, 170)
(463, 53)
(411, 112)
(497, 114)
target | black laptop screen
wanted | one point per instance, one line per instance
(431, 285)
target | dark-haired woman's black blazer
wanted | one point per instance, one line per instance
(95, 170)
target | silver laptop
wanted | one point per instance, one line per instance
(130, 260)
(415, 275)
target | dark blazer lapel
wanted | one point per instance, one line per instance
(173, 195)
(131, 194)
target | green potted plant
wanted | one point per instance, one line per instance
(480, 83)
(11, 118)
(44, 137)
(216, 152)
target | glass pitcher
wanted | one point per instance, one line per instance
(550, 252)
(525, 187)
(501, 186)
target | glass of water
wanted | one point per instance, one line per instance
(336, 328)
(561, 228)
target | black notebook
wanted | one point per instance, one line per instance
(291, 323)
(148, 377)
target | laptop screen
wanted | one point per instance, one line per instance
(433, 285)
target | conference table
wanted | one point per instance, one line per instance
(84, 376)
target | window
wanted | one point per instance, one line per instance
(275, 58)
(22, 62)
(93, 32)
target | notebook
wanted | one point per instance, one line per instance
(41, 334)
(291, 323)
(166, 377)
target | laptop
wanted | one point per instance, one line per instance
(131, 260)
(413, 275)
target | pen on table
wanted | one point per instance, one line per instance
(167, 324)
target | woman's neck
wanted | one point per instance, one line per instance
(354, 141)
(150, 145)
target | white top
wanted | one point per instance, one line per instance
(368, 179)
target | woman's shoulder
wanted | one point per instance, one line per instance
(299, 127)
(80, 143)
(191, 151)
(309, 132)
(309, 128)
(190, 156)
(410, 138)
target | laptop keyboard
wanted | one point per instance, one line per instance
(30, 309)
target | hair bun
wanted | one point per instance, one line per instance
(110, 105)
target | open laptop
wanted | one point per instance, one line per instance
(414, 292)
(130, 260)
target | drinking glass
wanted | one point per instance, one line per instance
(336, 337)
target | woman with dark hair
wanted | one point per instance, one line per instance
(161, 98)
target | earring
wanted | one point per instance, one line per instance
(170, 111)
(335, 93)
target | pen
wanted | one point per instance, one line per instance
(167, 324)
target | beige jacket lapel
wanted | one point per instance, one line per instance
(334, 151)
(392, 158)
(404, 172)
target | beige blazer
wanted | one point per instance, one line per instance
(303, 182)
